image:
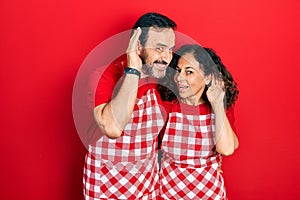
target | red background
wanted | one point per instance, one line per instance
(43, 44)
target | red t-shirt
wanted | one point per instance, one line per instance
(109, 79)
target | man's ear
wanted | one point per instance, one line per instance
(139, 47)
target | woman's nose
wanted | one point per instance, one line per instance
(179, 77)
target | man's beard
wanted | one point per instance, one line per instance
(150, 69)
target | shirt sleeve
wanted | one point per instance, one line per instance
(108, 80)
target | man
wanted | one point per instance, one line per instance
(122, 164)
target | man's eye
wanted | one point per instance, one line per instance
(188, 72)
(160, 49)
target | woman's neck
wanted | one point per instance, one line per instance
(193, 101)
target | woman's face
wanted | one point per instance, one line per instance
(189, 79)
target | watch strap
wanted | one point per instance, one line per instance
(129, 70)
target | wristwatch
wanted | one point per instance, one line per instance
(129, 70)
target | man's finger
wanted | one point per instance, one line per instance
(133, 43)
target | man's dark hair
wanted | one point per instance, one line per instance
(154, 20)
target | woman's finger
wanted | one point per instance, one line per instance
(213, 80)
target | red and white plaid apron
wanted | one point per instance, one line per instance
(127, 167)
(190, 161)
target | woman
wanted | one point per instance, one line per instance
(200, 126)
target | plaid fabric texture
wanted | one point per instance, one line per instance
(190, 162)
(127, 167)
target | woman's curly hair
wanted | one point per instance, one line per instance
(168, 89)
(231, 88)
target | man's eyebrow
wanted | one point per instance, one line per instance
(164, 45)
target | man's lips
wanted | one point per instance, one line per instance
(161, 62)
(161, 65)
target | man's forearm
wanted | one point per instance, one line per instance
(113, 116)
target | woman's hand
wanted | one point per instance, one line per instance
(215, 92)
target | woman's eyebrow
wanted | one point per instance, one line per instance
(189, 67)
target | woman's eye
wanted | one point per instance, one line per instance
(189, 72)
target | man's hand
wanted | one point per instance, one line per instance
(133, 51)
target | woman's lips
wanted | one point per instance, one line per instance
(182, 88)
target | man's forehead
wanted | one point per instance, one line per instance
(162, 36)
(160, 30)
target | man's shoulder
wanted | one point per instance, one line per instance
(121, 61)
(116, 68)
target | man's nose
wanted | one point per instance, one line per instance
(167, 56)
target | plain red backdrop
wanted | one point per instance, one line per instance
(43, 44)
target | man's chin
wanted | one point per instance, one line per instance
(154, 71)
(158, 73)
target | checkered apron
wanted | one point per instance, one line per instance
(127, 167)
(190, 161)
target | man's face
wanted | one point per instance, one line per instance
(156, 54)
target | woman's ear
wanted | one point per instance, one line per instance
(208, 79)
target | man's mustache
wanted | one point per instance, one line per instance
(160, 62)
